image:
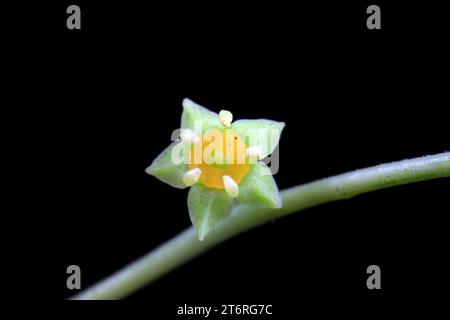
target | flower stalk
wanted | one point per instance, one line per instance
(186, 245)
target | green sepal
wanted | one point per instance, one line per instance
(260, 132)
(259, 187)
(166, 170)
(198, 118)
(207, 207)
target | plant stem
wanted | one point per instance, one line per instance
(186, 246)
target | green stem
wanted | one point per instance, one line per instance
(186, 246)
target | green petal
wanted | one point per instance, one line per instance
(207, 207)
(166, 170)
(259, 187)
(198, 118)
(260, 132)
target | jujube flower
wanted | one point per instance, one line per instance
(220, 161)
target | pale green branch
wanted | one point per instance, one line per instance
(186, 246)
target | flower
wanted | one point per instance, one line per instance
(220, 161)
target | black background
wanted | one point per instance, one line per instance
(110, 95)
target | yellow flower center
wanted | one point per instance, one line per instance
(219, 153)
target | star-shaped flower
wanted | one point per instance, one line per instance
(219, 160)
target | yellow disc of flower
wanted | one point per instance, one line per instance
(219, 153)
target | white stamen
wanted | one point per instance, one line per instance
(254, 153)
(231, 187)
(191, 177)
(189, 136)
(226, 117)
